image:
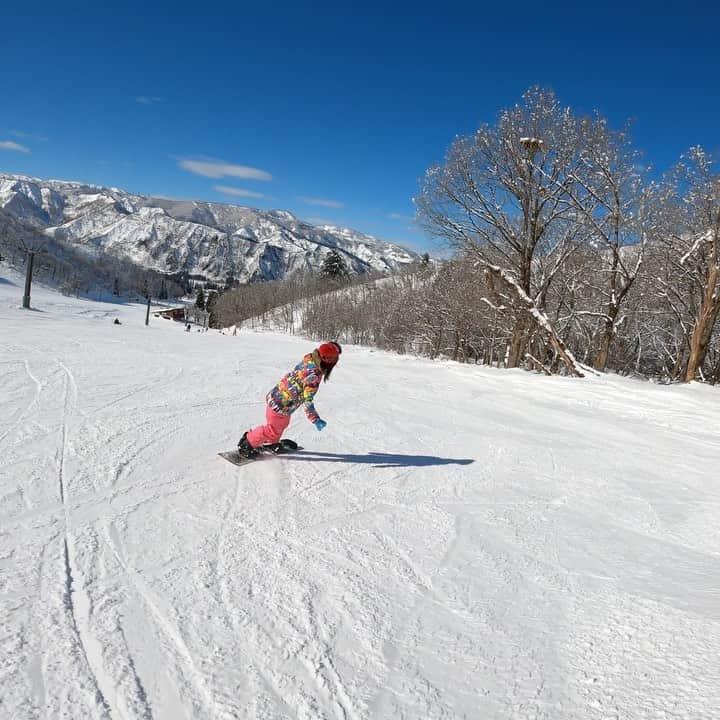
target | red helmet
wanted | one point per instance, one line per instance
(329, 352)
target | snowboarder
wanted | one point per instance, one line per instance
(296, 388)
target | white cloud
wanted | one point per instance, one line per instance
(148, 99)
(320, 202)
(16, 147)
(320, 221)
(238, 192)
(221, 169)
(27, 136)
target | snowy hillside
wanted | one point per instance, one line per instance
(460, 542)
(201, 238)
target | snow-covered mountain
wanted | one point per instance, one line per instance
(213, 240)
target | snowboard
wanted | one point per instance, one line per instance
(284, 447)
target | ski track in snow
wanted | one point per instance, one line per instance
(77, 602)
(459, 542)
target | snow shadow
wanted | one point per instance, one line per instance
(379, 460)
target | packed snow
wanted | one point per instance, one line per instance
(460, 542)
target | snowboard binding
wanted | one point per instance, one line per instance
(284, 446)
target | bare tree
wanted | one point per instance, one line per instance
(696, 242)
(503, 191)
(614, 201)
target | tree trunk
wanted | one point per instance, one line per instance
(518, 342)
(498, 277)
(704, 325)
(437, 344)
(600, 360)
(606, 333)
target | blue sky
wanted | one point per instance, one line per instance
(332, 111)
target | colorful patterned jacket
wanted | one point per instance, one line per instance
(298, 388)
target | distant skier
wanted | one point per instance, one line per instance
(296, 388)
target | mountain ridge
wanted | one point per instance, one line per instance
(201, 238)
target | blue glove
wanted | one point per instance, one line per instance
(320, 423)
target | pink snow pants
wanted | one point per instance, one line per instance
(270, 433)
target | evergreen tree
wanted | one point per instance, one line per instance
(210, 307)
(200, 301)
(334, 266)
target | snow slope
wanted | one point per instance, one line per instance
(460, 542)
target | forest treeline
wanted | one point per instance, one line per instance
(568, 255)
